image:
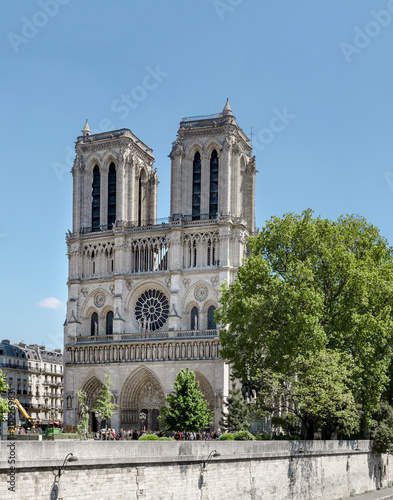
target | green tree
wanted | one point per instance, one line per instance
(4, 404)
(186, 410)
(104, 403)
(235, 418)
(382, 429)
(312, 285)
(84, 414)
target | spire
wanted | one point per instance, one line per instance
(227, 109)
(86, 130)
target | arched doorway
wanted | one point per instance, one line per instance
(142, 392)
(91, 388)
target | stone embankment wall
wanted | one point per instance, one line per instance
(277, 470)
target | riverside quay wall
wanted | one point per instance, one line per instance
(178, 470)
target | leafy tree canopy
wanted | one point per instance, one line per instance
(186, 410)
(312, 286)
(104, 403)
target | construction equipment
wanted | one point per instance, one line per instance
(29, 420)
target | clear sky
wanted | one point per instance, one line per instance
(312, 80)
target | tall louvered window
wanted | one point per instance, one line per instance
(111, 194)
(95, 199)
(213, 200)
(196, 187)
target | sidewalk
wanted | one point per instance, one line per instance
(385, 494)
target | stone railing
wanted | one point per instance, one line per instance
(180, 349)
(138, 336)
(159, 224)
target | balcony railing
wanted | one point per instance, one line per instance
(158, 224)
(140, 336)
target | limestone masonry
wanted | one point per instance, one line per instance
(141, 291)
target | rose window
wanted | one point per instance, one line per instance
(152, 310)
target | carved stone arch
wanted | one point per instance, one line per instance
(89, 301)
(143, 174)
(142, 390)
(190, 294)
(104, 310)
(212, 145)
(191, 305)
(108, 158)
(89, 311)
(91, 387)
(91, 161)
(206, 389)
(192, 148)
(207, 304)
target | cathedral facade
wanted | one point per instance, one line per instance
(142, 291)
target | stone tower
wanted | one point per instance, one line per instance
(142, 291)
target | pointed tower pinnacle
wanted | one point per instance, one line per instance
(227, 109)
(86, 130)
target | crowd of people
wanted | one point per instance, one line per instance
(129, 435)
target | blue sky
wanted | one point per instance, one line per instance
(312, 80)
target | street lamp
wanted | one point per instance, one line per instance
(142, 417)
(69, 458)
(212, 454)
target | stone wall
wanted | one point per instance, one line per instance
(173, 470)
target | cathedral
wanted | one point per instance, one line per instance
(142, 291)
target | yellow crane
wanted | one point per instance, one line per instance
(29, 420)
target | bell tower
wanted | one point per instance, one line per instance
(213, 170)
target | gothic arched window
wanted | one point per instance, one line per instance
(196, 187)
(95, 199)
(213, 199)
(109, 323)
(94, 324)
(211, 322)
(194, 318)
(111, 194)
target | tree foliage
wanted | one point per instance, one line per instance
(313, 289)
(4, 404)
(186, 410)
(104, 403)
(84, 414)
(235, 418)
(382, 428)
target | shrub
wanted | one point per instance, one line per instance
(163, 438)
(263, 437)
(286, 437)
(227, 437)
(244, 436)
(149, 437)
